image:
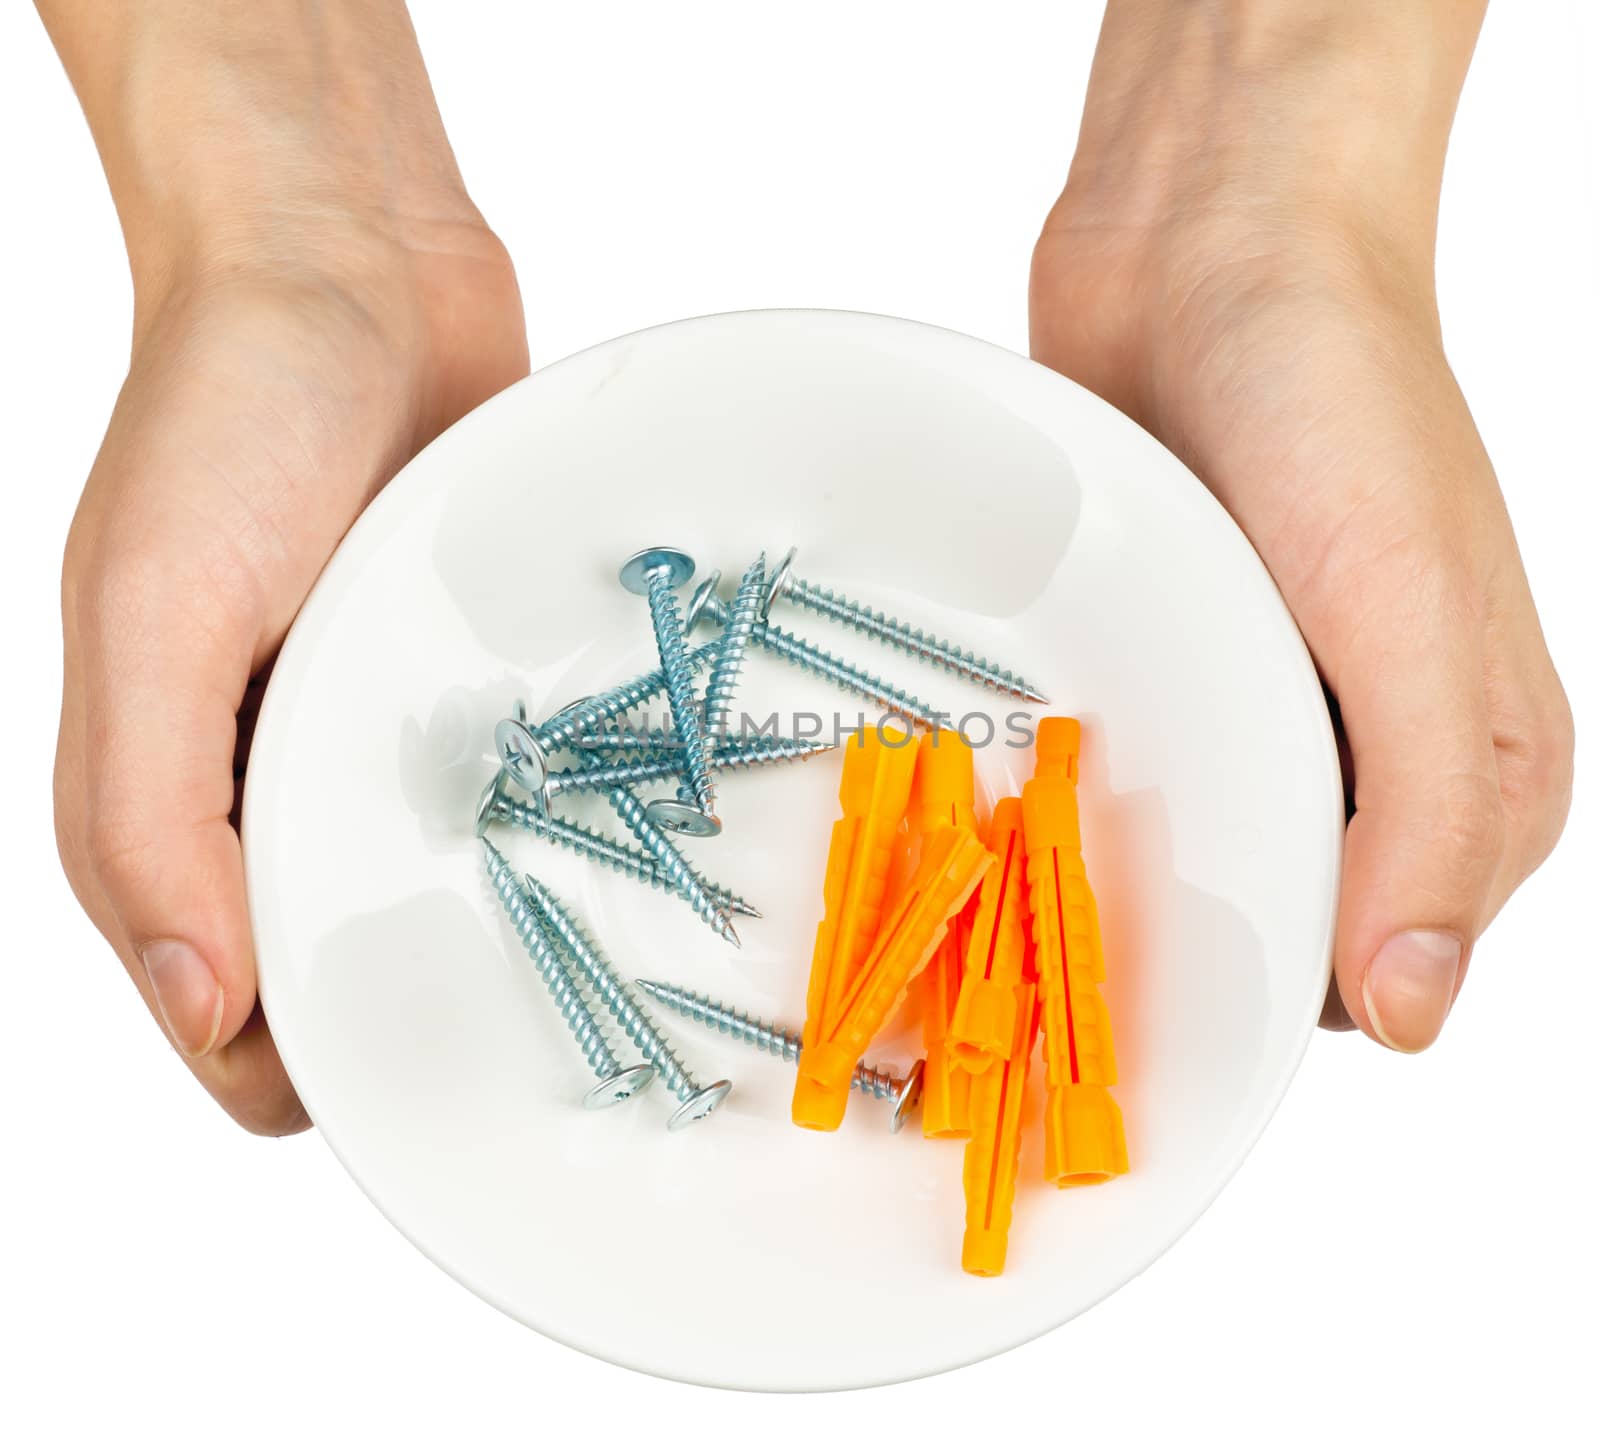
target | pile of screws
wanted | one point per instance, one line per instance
(612, 760)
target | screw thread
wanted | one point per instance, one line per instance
(730, 653)
(564, 992)
(830, 667)
(832, 604)
(876, 1082)
(652, 742)
(602, 849)
(686, 716)
(659, 742)
(613, 992)
(660, 761)
(614, 773)
(742, 1026)
(684, 878)
(591, 714)
(769, 1037)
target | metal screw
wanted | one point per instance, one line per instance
(658, 766)
(730, 656)
(496, 805)
(637, 817)
(650, 744)
(685, 880)
(785, 584)
(524, 750)
(695, 1101)
(706, 604)
(617, 1083)
(655, 573)
(904, 1092)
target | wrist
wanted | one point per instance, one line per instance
(271, 134)
(1284, 118)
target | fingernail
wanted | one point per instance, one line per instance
(187, 993)
(1409, 986)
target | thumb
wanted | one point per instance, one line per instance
(1423, 845)
(165, 657)
(157, 657)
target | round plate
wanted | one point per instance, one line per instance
(950, 483)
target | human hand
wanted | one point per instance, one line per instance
(1242, 260)
(308, 313)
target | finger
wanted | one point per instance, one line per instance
(248, 1080)
(1424, 844)
(1335, 1015)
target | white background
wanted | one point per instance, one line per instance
(1408, 1251)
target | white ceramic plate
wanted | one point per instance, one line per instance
(940, 477)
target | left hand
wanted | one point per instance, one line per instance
(1262, 300)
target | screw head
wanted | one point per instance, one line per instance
(486, 803)
(701, 1105)
(521, 756)
(620, 1086)
(685, 819)
(703, 601)
(910, 1096)
(635, 573)
(777, 583)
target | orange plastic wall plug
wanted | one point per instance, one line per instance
(1084, 1139)
(953, 863)
(874, 789)
(942, 794)
(989, 1169)
(981, 1027)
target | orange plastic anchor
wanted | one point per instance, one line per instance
(946, 1086)
(953, 863)
(989, 1169)
(1084, 1140)
(874, 789)
(943, 795)
(981, 1028)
